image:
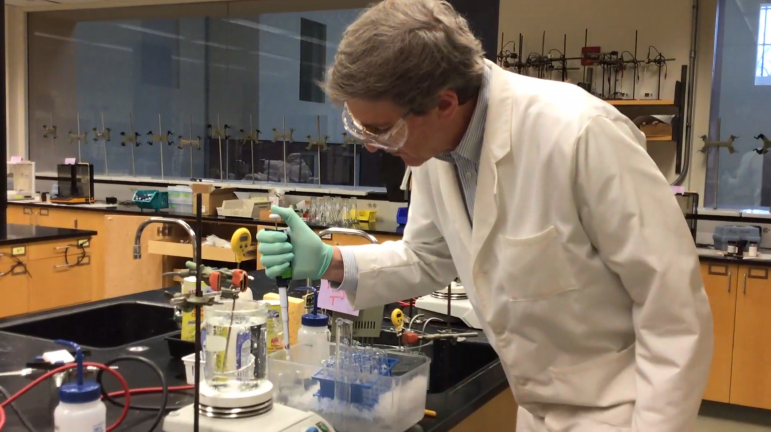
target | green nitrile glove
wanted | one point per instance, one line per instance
(308, 256)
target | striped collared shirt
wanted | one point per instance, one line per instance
(466, 156)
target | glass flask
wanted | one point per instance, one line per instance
(236, 345)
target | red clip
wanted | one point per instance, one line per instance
(240, 279)
(215, 280)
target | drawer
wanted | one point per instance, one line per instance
(72, 249)
(20, 251)
(54, 284)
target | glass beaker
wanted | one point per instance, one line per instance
(236, 345)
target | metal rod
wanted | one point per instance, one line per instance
(199, 143)
(251, 131)
(717, 164)
(160, 144)
(564, 60)
(219, 140)
(449, 304)
(355, 167)
(658, 91)
(198, 293)
(634, 78)
(104, 141)
(79, 158)
(132, 143)
(53, 142)
(283, 127)
(318, 150)
(586, 43)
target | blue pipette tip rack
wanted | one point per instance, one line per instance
(366, 393)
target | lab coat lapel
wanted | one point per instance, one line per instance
(496, 145)
(453, 201)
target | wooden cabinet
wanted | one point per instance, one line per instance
(750, 377)
(54, 283)
(740, 298)
(13, 285)
(123, 275)
(19, 215)
(720, 281)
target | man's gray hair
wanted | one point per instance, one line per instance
(407, 51)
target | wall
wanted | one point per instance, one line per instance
(665, 24)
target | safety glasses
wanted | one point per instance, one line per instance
(391, 140)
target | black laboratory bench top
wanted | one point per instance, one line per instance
(452, 407)
(26, 234)
(710, 255)
(382, 227)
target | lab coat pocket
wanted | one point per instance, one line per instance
(532, 268)
(603, 382)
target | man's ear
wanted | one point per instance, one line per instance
(447, 103)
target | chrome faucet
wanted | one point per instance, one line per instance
(349, 231)
(162, 220)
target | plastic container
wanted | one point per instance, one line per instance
(180, 208)
(236, 339)
(189, 362)
(188, 318)
(182, 195)
(731, 233)
(80, 407)
(393, 403)
(401, 215)
(314, 334)
(81, 416)
(275, 326)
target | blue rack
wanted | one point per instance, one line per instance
(361, 393)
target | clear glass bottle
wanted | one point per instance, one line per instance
(236, 345)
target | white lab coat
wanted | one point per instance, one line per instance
(580, 265)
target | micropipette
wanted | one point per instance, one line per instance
(283, 282)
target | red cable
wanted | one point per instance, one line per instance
(150, 390)
(44, 377)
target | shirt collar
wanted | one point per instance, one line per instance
(470, 146)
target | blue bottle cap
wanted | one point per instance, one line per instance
(74, 393)
(80, 391)
(314, 319)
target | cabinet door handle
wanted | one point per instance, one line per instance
(729, 282)
(745, 283)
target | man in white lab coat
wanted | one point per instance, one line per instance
(567, 237)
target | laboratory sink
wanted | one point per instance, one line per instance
(451, 362)
(101, 327)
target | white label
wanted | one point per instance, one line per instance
(16, 159)
(215, 343)
(70, 161)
